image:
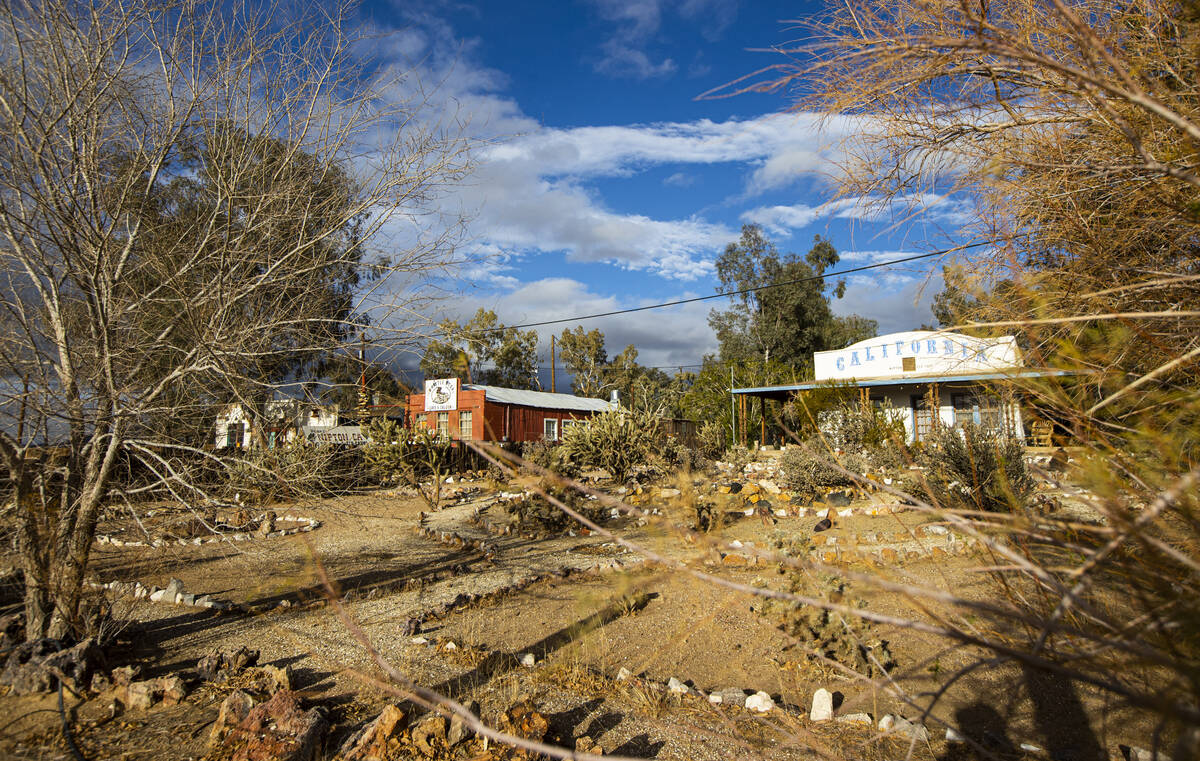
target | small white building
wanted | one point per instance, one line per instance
(281, 421)
(925, 377)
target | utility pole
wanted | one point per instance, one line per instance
(553, 385)
(732, 410)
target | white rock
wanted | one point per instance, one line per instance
(749, 511)
(760, 702)
(939, 530)
(887, 722)
(736, 544)
(770, 487)
(158, 595)
(528, 660)
(715, 698)
(952, 736)
(1030, 748)
(676, 686)
(624, 674)
(856, 718)
(419, 641)
(847, 512)
(451, 646)
(781, 513)
(822, 705)
(614, 513)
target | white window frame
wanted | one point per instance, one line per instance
(465, 433)
(550, 429)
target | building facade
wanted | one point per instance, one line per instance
(925, 379)
(281, 421)
(491, 413)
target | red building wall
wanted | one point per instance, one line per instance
(492, 421)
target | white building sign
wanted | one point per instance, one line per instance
(441, 395)
(918, 353)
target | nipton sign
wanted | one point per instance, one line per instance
(441, 395)
(917, 353)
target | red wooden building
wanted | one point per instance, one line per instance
(492, 413)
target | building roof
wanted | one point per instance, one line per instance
(783, 391)
(540, 399)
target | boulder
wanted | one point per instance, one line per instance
(279, 729)
(139, 696)
(172, 689)
(459, 730)
(370, 744)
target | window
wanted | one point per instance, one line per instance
(443, 425)
(551, 429)
(464, 425)
(979, 409)
(233, 435)
(908, 364)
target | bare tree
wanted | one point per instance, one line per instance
(188, 196)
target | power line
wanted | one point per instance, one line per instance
(727, 294)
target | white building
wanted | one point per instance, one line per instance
(925, 376)
(281, 421)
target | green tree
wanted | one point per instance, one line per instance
(584, 356)
(788, 321)
(483, 350)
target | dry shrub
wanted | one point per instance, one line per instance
(973, 467)
(616, 441)
(412, 457)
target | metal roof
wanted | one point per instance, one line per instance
(541, 399)
(902, 380)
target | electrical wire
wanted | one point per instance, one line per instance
(727, 294)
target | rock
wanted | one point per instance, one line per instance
(715, 698)
(734, 487)
(419, 641)
(234, 710)
(822, 705)
(174, 588)
(952, 736)
(138, 696)
(34, 667)
(770, 487)
(459, 730)
(895, 724)
(528, 660)
(733, 696)
(760, 702)
(856, 718)
(100, 683)
(172, 689)
(624, 674)
(370, 744)
(125, 675)
(159, 595)
(411, 627)
(838, 498)
(677, 687)
(1134, 753)
(279, 730)
(668, 493)
(586, 744)
(429, 734)
(886, 722)
(522, 720)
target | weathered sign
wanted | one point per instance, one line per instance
(441, 395)
(917, 353)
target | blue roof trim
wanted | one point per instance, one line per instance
(905, 381)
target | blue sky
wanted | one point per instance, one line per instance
(603, 181)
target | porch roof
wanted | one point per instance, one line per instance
(783, 392)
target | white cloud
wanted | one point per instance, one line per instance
(897, 300)
(925, 207)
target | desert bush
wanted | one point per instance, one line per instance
(616, 441)
(845, 639)
(807, 470)
(970, 467)
(738, 457)
(711, 439)
(673, 453)
(412, 457)
(536, 515)
(551, 456)
(298, 469)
